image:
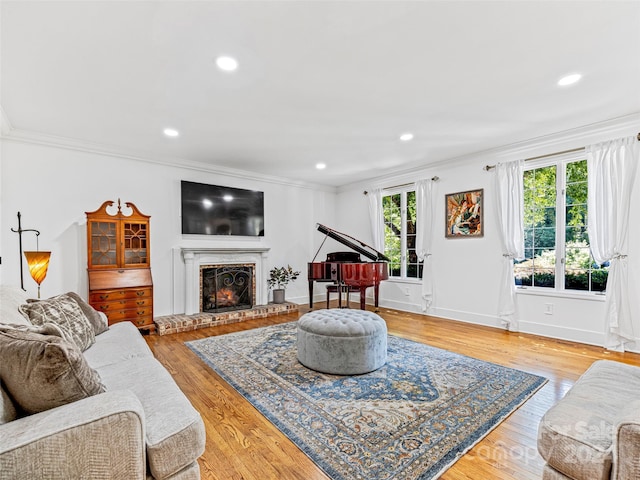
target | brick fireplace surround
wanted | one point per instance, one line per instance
(186, 289)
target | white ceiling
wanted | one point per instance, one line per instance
(319, 81)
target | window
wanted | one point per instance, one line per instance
(557, 254)
(400, 234)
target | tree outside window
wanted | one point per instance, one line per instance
(557, 253)
(400, 234)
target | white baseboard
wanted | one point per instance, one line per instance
(403, 306)
(570, 334)
(563, 333)
(469, 317)
(552, 331)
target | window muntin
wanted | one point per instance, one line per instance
(413, 266)
(539, 266)
(557, 253)
(399, 211)
(392, 208)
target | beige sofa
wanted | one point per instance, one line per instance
(593, 433)
(137, 424)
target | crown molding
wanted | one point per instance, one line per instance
(574, 138)
(36, 138)
(567, 139)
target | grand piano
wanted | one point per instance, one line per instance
(347, 268)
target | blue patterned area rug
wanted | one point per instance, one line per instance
(411, 419)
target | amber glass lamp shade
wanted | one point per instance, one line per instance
(38, 264)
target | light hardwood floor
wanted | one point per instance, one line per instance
(243, 445)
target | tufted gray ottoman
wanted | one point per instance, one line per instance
(342, 342)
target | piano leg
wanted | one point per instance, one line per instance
(310, 293)
(376, 289)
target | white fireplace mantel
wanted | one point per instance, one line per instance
(194, 257)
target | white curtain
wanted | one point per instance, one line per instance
(510, 211)
(425, 213)
(376, 216)
(612, 171)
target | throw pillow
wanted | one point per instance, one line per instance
(40, 370)
(10, 300)
(65, 312)
(7, 410)
(46, 329)
(98, 320)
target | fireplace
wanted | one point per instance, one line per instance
(226, 287)
(187, 293)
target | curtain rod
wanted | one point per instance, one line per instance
(490, 167)
(434, 178)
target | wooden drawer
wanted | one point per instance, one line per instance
(141, 322)
(125, 304)
(128, 314)
(104, 296)
(122, 304)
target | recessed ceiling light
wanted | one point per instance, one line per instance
(569, 79)
(171, 132)
(321, 166)
(227, 198)
(228, 64)
(406, 137)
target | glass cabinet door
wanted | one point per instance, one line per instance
(103, 244)
(135, 243)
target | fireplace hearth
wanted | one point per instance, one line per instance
(226, 287)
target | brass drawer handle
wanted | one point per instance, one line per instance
(140, 293)
(104, 297)
(104, 307)
(141, 312)
(141, 302)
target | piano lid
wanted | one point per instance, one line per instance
(350, 242)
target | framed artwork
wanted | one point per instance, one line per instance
(464, 214)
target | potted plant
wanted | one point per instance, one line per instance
(279, 278)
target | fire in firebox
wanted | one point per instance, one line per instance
(226, 297)
(226, 287)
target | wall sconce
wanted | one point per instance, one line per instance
(38, 261)
(38, 265)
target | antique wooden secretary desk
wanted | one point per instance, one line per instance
(119, 264)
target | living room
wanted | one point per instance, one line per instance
(68, 176)
(69, 141)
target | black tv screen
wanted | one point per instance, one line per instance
(217, 210)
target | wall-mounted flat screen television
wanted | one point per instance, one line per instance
(218, 210)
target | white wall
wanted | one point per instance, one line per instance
(466, 271)
(54, 187)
